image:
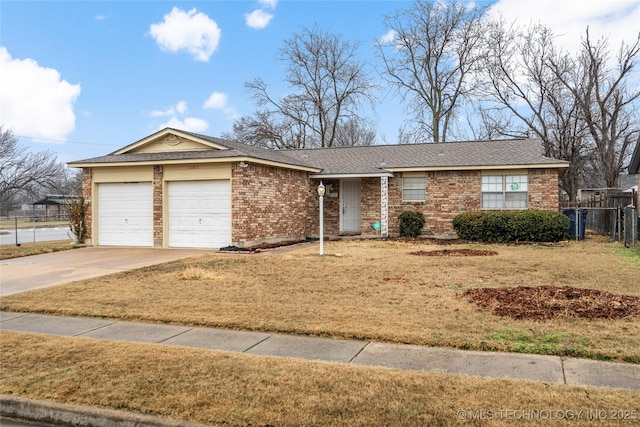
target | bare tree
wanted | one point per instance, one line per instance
(269, 130)
(354, 132)
(69, 183)
(431, 61)
(605, 99)
(328, 86)
(23, 174)
(523, 96)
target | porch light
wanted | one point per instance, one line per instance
(321, 190)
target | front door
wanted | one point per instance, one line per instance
(350, 206)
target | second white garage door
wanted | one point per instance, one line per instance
(199, 214)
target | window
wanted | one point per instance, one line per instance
(504, 192)
(413, 189)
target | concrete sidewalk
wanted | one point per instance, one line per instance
(549, 369)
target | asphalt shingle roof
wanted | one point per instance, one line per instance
(374, 159)
(377, 158)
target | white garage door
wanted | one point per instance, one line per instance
(125, 214)
(199, 214)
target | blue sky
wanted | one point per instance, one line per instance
(83, 78)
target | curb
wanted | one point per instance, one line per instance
(81, 416)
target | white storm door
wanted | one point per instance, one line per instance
(125, 214)
(199, 214)
(350, 205)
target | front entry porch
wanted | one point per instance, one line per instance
(352, 205)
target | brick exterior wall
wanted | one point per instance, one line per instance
(331, 207)
(543, 189)
(449, 193)
(158, 213)
(271, 204)
(370, 208)
(87, 182)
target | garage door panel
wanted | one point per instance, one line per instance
(125, 214)
(200, 214)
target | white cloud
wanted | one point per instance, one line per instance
(388, 38)
(192, 31)
(190, 124)
(269, 3)
(180, 107)
(34, 100)
(258, 19)
(618, 20)
(217, 100)
(160, 113)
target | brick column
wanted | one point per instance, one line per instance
(87, 183)
(158, 224)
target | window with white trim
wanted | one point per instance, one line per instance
(414, 189)
(505, 192)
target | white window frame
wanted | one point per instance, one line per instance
(504, 192)
(412, 185)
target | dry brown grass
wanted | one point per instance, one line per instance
(238, 389)
(370, 290)
(26, 249)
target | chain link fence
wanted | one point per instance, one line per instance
(620, 224)
(631, 226)
(20, 230)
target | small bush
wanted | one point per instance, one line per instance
(411, 223)
(529, 226)
(75, 213)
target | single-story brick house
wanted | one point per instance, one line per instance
(180, 189)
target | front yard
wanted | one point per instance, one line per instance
(376, 290)
(365, 289)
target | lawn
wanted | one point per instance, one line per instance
(26, 249)
(222, 388)
(374, 290)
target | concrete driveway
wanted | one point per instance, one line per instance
(41, 271)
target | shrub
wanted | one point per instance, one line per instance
(411, 223)
(75, 212)
(531, 226)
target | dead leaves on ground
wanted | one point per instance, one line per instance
(549, 302)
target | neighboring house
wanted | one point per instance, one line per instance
(180, 189)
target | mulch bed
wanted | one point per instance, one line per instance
(455, 252)
(264, 246)
(550, 302)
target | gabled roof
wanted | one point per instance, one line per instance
(220, 150)
(374, 160)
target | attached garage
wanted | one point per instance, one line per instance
(125, 214)
(199, 213)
